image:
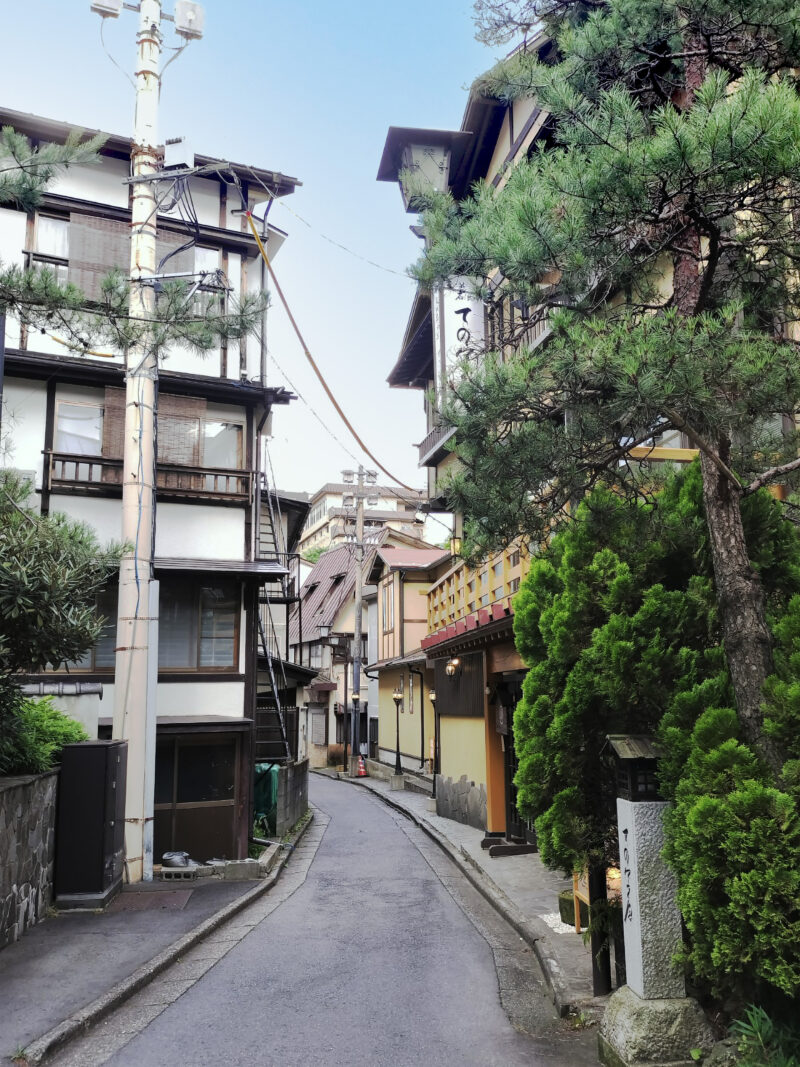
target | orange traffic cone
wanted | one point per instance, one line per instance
(362, 770)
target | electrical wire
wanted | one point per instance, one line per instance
(103, 45)
(340, 443)
(324, 236)
(310, 358)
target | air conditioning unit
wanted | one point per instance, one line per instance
(189, 19)
(109, 9)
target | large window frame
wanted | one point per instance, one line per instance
(100, 658)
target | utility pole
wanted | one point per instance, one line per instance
(137, 617)
(363, 479)
(136, 663)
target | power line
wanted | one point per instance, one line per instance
(324, 236)
(310, 358)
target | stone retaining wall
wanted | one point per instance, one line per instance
(292, 795)
(27, 852)
(461, 800)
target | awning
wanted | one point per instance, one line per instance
(254, 570)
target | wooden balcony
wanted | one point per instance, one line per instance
(431, 448)
(101, 475)
(463, 591)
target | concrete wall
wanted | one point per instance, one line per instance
(292, 796)
(27, 852)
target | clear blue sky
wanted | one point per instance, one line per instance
(308, 88)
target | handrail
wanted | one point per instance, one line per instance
(75, 469)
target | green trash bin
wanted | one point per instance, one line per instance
(265, 793)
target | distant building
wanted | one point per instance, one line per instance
(332, 516)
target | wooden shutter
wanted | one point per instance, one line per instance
(99, 245)
(180, 429)
(463, 693)
(96, 246)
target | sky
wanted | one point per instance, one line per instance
(308, 88)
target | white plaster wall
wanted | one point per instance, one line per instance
(12, 236)
(198, 698)
(85, 709)
(103, 514)
(12, 243)
(205, 196)
(173, 698)
(103, 183)
(24, 409)
(183, 359)
(199, 531)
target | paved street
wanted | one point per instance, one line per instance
(372, 949)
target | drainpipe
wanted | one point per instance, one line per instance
(416, 670)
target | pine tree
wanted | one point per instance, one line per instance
(658, 232)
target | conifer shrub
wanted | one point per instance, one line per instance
(40, 731)
(617, 621)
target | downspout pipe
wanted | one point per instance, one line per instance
(416, 670)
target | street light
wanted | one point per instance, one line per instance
(397, 697)
(356, 736)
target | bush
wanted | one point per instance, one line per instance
(35, 735)
(766, 1042)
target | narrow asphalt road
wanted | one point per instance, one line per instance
(373, 950)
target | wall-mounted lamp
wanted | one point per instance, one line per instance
(455, 546)
(453, 666)
(324, 631)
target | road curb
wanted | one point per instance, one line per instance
(566, 1000)
(85, 1018)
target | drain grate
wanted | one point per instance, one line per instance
(160, 900)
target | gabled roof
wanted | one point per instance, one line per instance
(331, 583)
(411, 559)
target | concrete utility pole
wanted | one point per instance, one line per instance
(364, 479)
(136, 663)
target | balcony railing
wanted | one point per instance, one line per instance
(69, 472)
(432, 443)
(463, 591)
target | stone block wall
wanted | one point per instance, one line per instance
(461, 800)
(27, 852)
(292, 795)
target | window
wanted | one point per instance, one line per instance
(194, 442)
(387, 603)
(198, 628)
(222, 444)
(79, 429)
(513, 585)
(101, 657)
(211, 299)
(52, 247)
(513, 558)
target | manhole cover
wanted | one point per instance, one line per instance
(167, 900)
